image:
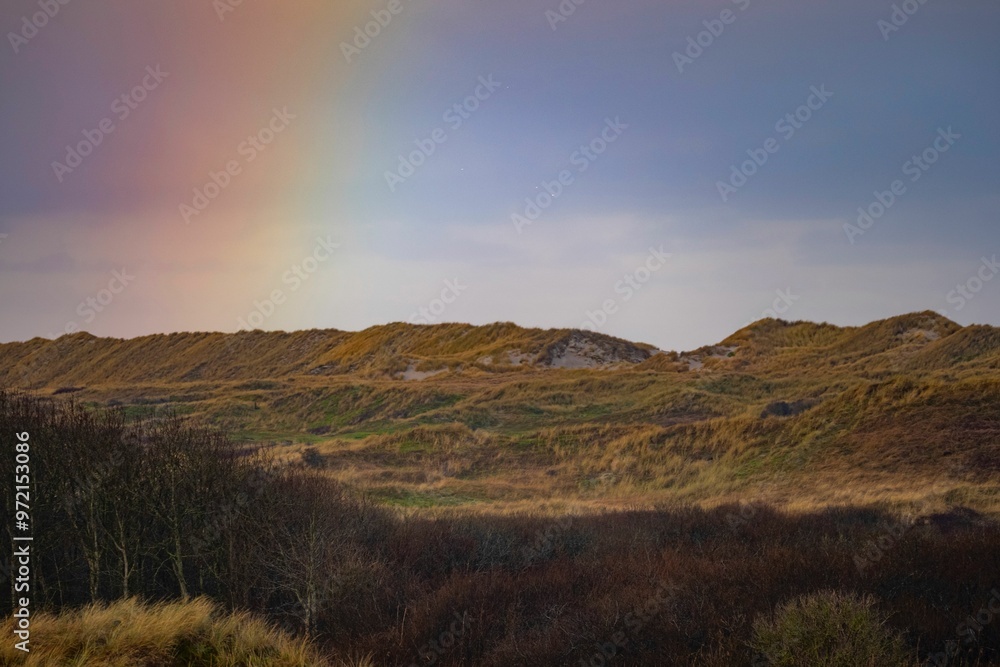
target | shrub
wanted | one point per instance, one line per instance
(829, 629)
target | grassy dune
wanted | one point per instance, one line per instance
(899, 412)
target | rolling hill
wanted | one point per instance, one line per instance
(380, 351)
(899, 411)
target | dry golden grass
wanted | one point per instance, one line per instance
(872, 410)
(131, 634)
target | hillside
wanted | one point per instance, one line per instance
(384, 351)
(163, 543)
(898, 411)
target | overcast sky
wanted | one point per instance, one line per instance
(693, 164)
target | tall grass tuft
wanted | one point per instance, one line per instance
(131, 634)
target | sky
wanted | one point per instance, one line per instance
(665, 172)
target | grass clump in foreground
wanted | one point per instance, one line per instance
(129, 633)
(829, 629)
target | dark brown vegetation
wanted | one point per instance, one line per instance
(165, 510)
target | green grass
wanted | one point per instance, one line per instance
(419, 499)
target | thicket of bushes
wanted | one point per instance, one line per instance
(161, 509)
